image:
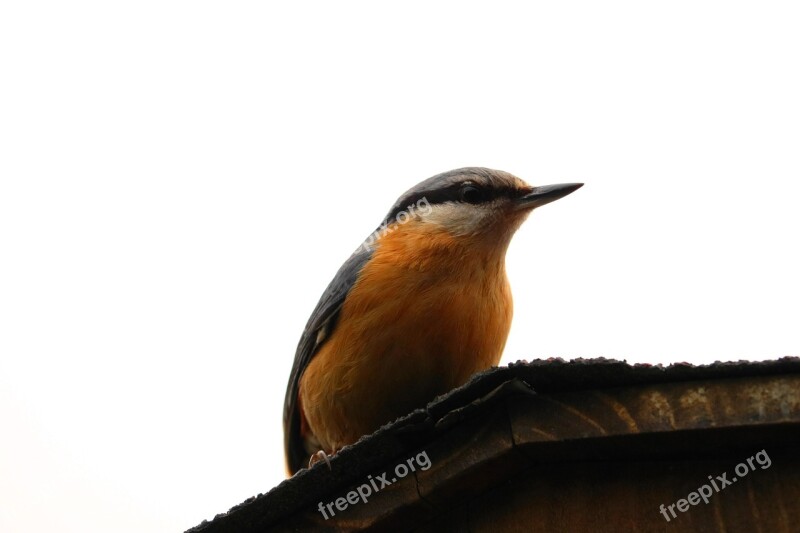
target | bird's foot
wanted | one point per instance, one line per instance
(317, 457)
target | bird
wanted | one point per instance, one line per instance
(419, 307)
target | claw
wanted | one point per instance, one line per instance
(317, 457)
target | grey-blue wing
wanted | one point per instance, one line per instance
(323, 319)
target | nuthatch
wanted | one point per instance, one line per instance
(420, 307)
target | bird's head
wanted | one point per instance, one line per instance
(479, 204)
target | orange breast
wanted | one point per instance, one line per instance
(427, 312)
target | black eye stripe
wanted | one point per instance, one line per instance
(451, 193)
(447, 187)
(433, 197)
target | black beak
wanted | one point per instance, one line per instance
(546, 194)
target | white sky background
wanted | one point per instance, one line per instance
(181, 180)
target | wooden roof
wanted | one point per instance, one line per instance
(554, 445)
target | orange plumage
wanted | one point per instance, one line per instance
(428, 311)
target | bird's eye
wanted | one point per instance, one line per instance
(472, 194)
